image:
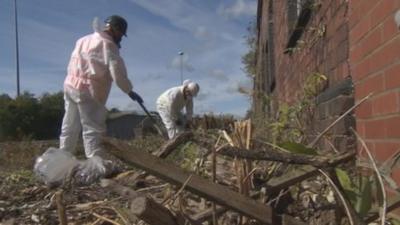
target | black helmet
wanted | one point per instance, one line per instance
(118, 23)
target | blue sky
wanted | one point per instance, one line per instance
(210, 33)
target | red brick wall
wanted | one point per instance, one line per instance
(374, 44)
(327, 55)
(361, 41)
(259, 88)
(325, 50)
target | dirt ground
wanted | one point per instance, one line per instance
(24, 199)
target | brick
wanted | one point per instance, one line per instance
(385, 55)
(340, 128)
(342, 53)
(392, 76)
(385, 104)
(370, 84)
(359, 9)
(385, 149)
(322, 111)
(354, 16)
(342, 33)
(390, 29)
(372, 41)
(339, 105)
(375, 129)
(354, 3)
(356, 53)
(361, 150)
(364, 110)
(364, 8)
(383, 9)
(393, 127)
(359, 30)
(360, 70)
(339, 16)
(345, 71)
(360, 128)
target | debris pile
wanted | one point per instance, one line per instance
(195, 178)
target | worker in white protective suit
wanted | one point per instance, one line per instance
(170, 105)
(94, 64)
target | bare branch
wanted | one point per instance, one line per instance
(384, 203)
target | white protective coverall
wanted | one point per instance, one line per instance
(169, 106)
(95, 63)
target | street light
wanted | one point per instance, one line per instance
(181, 56)
(16, 43)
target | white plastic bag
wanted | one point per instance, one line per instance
(53, 166)
(92, 169)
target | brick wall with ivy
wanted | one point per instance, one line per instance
(299, 39)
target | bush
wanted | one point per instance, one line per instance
(27, 117)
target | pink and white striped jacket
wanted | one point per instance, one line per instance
(95, 63)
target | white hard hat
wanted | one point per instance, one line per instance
(186, 82)
(193, 88)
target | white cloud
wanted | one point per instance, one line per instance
(239, 8)
(239, 86)
(186, 16)
(202, 33)
(181, 61)
(219, 75)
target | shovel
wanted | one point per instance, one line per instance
(159, 131)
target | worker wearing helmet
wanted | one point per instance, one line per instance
(94, 64)
(170, 105)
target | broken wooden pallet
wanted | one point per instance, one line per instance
(198, 185)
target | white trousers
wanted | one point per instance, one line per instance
(82, 114)
(170, 121)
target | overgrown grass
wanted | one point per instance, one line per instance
(185, 156)
(148, 143)
(22, 155)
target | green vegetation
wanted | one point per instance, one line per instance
(249, 59)
(27, 117)
(291, 121)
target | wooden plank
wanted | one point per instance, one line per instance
(270, 154)
(142, 206)
(206, 215)
(172, 144)
(278, 183)
(301, 173)
(198, 185)
(152, 212)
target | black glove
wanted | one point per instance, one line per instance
(135, 96)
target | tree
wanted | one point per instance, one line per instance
(28, 117)
(249, 59)
(50, 115)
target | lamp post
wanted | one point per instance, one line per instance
(181, 59)
(16, 43)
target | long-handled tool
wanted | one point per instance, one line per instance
(159, 130)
